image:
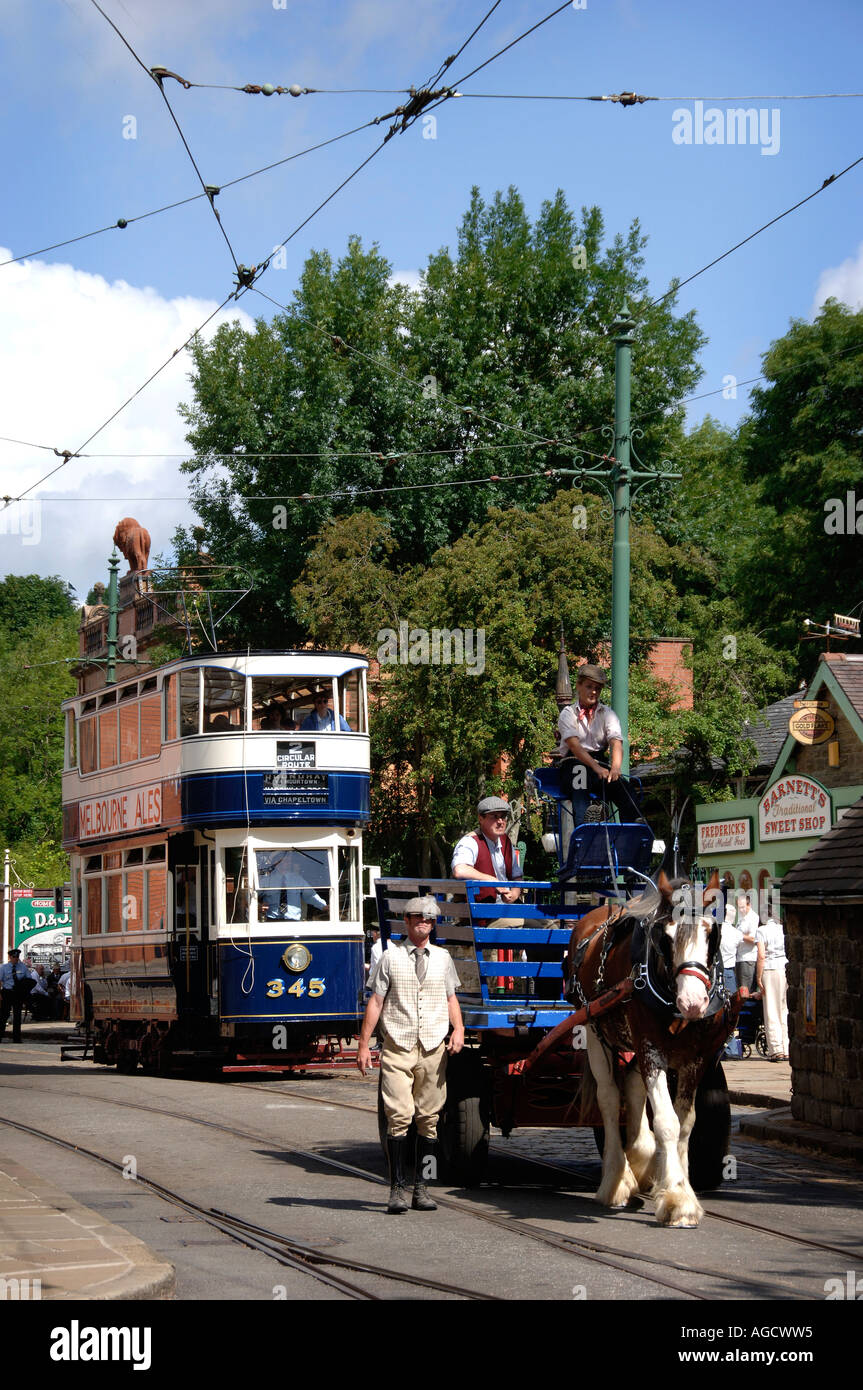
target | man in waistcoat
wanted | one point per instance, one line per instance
(488, 853)
(413, 998)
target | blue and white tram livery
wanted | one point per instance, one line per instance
(213, 811)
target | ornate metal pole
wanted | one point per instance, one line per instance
(113, 606)
(621, 476)
(617, 476)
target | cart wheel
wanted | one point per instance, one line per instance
(463, 1126)
(761, 1040)
(747, 1051)
(709, 1141)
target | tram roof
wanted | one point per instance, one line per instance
(273, 662)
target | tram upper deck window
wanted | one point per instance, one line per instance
(304, 703)
(87, 744)
(71, 745)
(293, 884)
(224, 700)
(353, 705)
(188, 703)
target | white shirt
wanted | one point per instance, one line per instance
(729, 940)
(747, 951)
(773, 937)
(594, 735)
(467, 850)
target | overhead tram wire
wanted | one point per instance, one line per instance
(397, 454)
(635, 99)
(828, 182)
(123, 222)
(70, 454)
(242, 285)
(155, 76)
(677, 285)
(535, 439)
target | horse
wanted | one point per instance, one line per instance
(677, 1018)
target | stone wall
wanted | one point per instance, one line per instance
(827, 1069)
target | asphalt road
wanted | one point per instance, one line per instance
(779, 1230)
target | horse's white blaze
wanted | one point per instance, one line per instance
(693, 993)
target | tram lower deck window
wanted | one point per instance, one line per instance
(293, 884)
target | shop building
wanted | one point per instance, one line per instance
(817, 775)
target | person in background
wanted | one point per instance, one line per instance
(15, 986)
(729, 940)
(322, 719)
(747, 950)
(770, 979)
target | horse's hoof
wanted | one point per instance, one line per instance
(678, 1211)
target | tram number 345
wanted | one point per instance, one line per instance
(276, 988)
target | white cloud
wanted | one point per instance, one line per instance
(72, 349)
(843, 282)
(411, 278)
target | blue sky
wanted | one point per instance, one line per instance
(83, 326)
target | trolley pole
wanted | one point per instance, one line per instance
(622, 483)
(113, 606)
(8, 928)
(621, 477)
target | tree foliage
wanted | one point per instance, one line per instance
(366, 391)
(37, 634)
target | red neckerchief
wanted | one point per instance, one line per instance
(588, 713)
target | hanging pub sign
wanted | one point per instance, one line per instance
(724, 836)
(811, 722)
(794, 808)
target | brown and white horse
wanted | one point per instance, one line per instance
(673, 1021)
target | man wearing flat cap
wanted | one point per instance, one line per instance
(413, 997)
(488, 853)
(15, 984)
(586, 730)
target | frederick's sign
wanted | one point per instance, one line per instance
(120, 813)
(724, 836)
(794, 808)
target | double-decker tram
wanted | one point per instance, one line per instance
(213, 811)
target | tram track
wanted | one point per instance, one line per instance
(296, 1255)
(590, 1181)
(576, 1246)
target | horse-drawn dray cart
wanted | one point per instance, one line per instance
(524, 1060)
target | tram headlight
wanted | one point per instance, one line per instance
(297, 958)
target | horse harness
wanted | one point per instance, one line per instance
(646, 959)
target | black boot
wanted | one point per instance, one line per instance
(398, 1202)
(426, 1150)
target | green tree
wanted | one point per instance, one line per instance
(34, 679)
(803, 450)
(444, 733)
(28, 599)
(494, 368)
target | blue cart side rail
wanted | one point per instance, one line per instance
(509, 956)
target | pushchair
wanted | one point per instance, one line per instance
(750, 1028)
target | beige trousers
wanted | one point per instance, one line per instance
(413, 1087)
(775, 1011)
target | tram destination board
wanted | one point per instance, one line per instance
(296, 788)
(295, 756)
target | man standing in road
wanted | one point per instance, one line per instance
(413, 990)
(586, 730)
(15, 985)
